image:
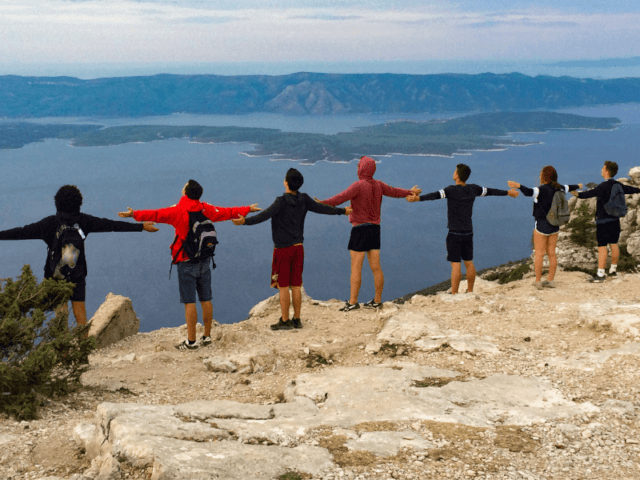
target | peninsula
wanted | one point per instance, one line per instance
(485, 131)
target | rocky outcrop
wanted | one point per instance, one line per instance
(114, 321)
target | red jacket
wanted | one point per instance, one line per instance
(178, 216)
(366, 194)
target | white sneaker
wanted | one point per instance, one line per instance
(549, 284)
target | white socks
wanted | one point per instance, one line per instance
(613, 268)
(601, 272)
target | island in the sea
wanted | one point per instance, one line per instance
(485, 131)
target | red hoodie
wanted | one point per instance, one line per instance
(366, 194)
(178, 216)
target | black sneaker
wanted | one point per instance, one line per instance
(348, 307)
(297, 323)
(184, 345)
(204, 341)
(372, 304)
(597, 279)
(288, 325)
(613, 274)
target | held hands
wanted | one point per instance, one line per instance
(148, 226)
(416, 190)
(348, 210)
(240, 220)
(580, 186)
(413, 198)
(513, 184)
(574, 193)
(254, 208)
(513, 193)
(317, 200)
(127, 214)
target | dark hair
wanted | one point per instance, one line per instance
(68, 199)
(549, 176)
(612, 167)
(463, 172)
(294, 179)
(193, 190)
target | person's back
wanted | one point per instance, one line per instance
(287, 214)
(460, 201)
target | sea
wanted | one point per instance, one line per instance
(151, 175)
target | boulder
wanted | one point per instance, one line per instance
(633, 245)
(634, 174)
(114, 320)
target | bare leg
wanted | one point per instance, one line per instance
(207, 317)
(285, 302)
(540, 246)
(296, 297)
(191, 315)
(373, 256)
(602, 257)
(357, 259)
(471, 274)
(615, 254)
(456, 275)
(553, 258)
(80, 312)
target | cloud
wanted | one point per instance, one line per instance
(521, 22)
(205, 20)
(327, 17)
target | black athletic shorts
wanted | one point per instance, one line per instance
(608, 232)
(365, 237)
(80, 291)
(459, 247)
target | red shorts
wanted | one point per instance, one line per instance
(286, 269)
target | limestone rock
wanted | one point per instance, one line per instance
(385, 444)
(220, 364)
(273, 302)
(114, 320)
(407, 327)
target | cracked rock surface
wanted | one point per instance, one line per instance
(506, 383)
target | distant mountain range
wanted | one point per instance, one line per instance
(303, 94)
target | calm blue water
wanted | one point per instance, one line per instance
(152, 175)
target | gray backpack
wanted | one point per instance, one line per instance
(559, 212)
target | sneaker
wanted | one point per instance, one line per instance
(613, 274)
(549, 284)
(297, 323)
(372, 304)
(538, 285)
(184, 345)
(348, 307)
(204, 341)
(597, 279)
(288, 325)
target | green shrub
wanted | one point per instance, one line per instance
(39, 354)
(512, 275)
(626, 263)
(582, 227)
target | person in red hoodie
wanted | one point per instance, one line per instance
(366, 196)
(193, 276)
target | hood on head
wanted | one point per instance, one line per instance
(366, 168)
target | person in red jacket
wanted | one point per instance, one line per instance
(193, 276)
(366, 197)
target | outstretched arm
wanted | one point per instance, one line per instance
(33, 231)
(262, 216)
(413, 197)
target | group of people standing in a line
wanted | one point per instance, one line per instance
(65, 231)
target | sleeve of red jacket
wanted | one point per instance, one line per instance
(389, 191)
(166, 215)
(348, 194)
(220, 214)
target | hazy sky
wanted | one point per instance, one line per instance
(146, 32)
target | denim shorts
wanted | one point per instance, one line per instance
(192, 278)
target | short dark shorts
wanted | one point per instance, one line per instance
(459, 247)
(192, 278)
(79, 291)
(608, 233)
(287, 266)
(545, 228)
(364, 237)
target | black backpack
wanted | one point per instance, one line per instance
(65, 255)
(616, 206)
(201, 241)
